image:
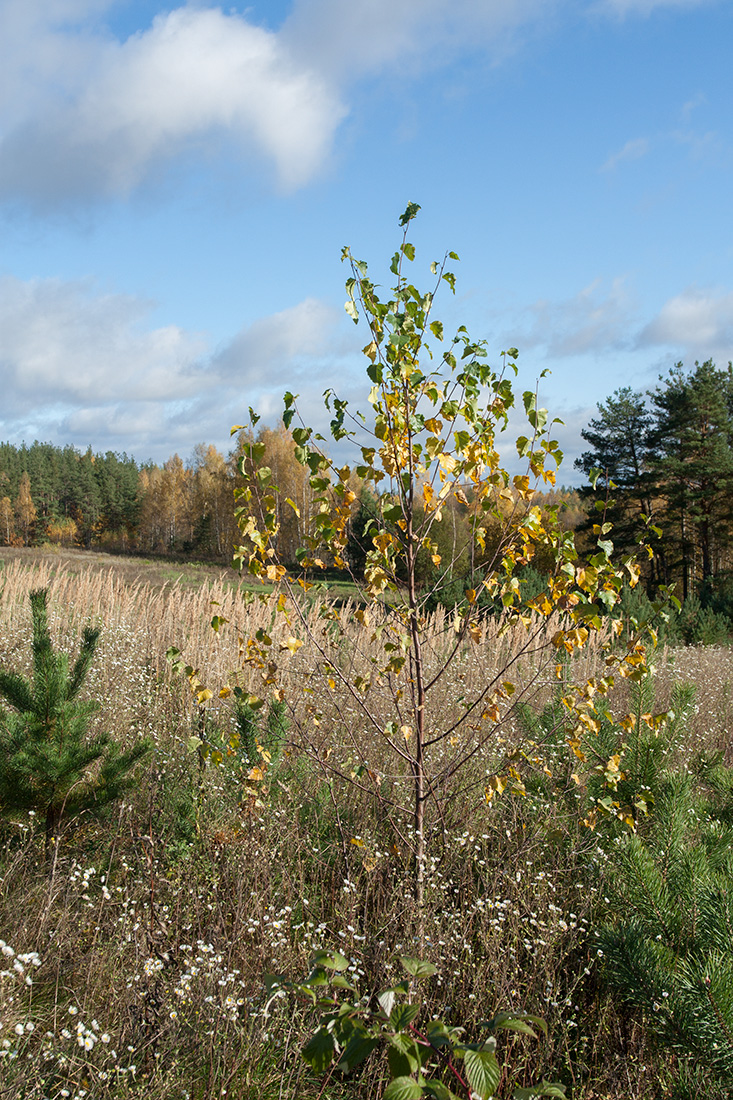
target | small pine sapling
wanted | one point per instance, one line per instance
(52, 765)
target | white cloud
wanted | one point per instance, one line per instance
(349, 40)
(696, 321)
(82, 367)
(632, 150)
(195, 77)
(62, 343)
(623, 8)
(279, 346)
(84, 115)
(591, 321)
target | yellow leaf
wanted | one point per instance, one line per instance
(256, 774)
(293, 644)
(202, 696)
(225, 693)
(406, 732)
(357, 842)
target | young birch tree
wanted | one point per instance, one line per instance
(437, 411)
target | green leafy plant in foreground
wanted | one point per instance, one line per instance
(51, 765)
(425, 1060)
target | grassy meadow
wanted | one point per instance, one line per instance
(133, 964)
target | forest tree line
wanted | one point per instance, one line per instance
(665, 458)
(60, 495)
(69, 498)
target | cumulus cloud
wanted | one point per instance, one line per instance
(194, 77)
(83, 367)
(591, 321)
(697, 321)
(85, 115)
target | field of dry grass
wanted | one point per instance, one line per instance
(134, 966)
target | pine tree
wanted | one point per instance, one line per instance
(619, 442)
(51, 764)
(669, 953)
(692, 467)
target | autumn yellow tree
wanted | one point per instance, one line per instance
(25, 510)
(437, 410)
(211, 493)
(7, 521)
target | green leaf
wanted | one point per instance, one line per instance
(402, 1015)
(331, 960)
(339, 982)
(409, 250)
(393, 513)
(545, 1088)
(410, 212)
(437, 329)
(438, 1090)
(359, 1047)
(317, 977)
(352, 311)
(403, 1088)
(400, 1065)
(403, 1055)
(319, 1051)
(482, 1070)
(520, 1022)
(418, 968)
(439, 1034)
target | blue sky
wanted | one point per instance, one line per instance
(176, 185)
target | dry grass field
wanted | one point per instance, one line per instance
(134, 964)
